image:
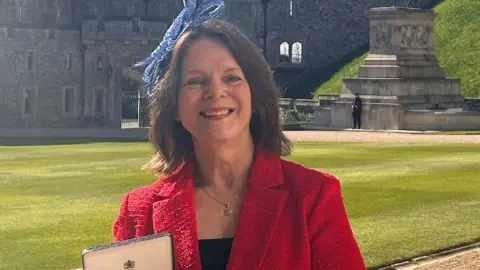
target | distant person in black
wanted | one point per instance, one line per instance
(357, 111)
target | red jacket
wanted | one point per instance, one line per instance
(292, 218)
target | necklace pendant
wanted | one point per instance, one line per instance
(227, 211)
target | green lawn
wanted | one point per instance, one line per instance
(457, 31)
(402, 199)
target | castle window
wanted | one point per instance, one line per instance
(136, 24)
(51, 34)
(68, 101)
(20, 11)
(99, 99)
(30, 61)
(100, 26)
(145, 7)
(284, 53)
(131, 9)
(29, 101)
(68, 64)
(51, 12)
(12, 14)
(297, 53)
(99, 62)
(10, 33)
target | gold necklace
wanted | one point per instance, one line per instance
(227, 211)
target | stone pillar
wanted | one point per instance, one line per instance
(401, 72)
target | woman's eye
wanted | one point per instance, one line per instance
(195, 81)
(233, 79)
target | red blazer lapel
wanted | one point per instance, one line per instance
(174, 212)
(264, 200)
(262, 206)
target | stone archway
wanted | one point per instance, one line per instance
(131, 99)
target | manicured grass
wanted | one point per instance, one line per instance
(402, 199)
(456, 47)
(335, 84)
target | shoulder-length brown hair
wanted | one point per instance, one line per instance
(173, 144)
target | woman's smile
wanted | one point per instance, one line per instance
(216, 113)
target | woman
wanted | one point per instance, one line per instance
(223, 191)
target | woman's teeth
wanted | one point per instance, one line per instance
(216, 113)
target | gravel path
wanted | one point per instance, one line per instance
(359, 136)
(467, 261)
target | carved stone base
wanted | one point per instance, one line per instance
(401, 31)
(401, 45)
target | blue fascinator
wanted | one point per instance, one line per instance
(194, 12)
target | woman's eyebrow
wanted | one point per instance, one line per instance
(233, 69)
(194, 71)
(198, 71)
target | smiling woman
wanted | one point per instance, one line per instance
(214, 68)
(223, 192)
(214, 99)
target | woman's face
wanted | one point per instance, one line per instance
(214, 101)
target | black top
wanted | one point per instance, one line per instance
(214, 253)
(357, 105)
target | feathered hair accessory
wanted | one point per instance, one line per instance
(194, 12)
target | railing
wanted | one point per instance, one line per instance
(472, 104)
(294, 111)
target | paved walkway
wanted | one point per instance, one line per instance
(368, 136)
(467, 261)
(463, 260)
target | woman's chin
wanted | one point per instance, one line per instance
(219, 136)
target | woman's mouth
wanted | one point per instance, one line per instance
(216, 113)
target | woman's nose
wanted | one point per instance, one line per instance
(215, 89)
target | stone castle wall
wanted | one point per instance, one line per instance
(327, 30)
(48, 77)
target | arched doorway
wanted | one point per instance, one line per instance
(129, 88)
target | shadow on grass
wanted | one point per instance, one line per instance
(62, 141)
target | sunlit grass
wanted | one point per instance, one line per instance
(402, 199)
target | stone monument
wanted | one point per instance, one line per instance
(401, 82)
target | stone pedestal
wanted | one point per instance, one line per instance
(401, 72)
(401, 44)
